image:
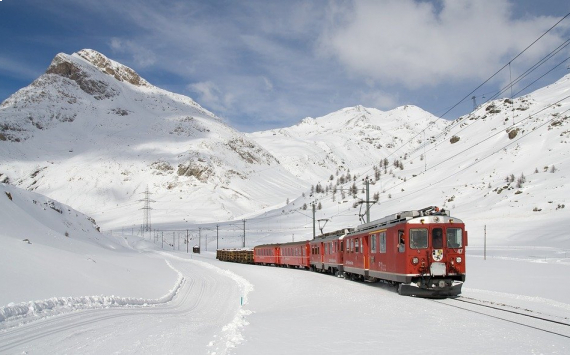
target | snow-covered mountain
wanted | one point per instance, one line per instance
(351, 138)
(92, 133)
(503, 168)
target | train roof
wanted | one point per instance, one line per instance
(404, 216)
(273, 245)
(338, 234)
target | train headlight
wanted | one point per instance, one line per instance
(415, 260)
(458, 259)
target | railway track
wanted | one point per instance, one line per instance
(557, 325)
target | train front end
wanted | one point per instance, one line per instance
(435, 255)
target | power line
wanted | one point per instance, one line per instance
(146, 226)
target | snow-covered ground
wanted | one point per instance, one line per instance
(66, 287)
(224, 308)
(95, 293)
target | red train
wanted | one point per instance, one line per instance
(420, 251)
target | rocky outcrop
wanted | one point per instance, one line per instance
(116, 70)
(63, 67)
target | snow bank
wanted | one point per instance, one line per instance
(36, 309)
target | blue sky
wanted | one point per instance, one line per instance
(268, 64)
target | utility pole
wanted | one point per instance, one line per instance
(367, 184)
(367, 199)
(146, 227)
(314, 212)
(217, 237)
(186, 241)
(199, 238)
(244, 233)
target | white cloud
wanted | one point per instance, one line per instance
(415, 44)
(211, 96)
(141, 56)
(17, 68)
(378, 99)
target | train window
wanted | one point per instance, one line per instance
(341, 246)
(418, 238)
(401, 242)
(326, 248)
(373, 243)
(382, 242)
(356, 246)
(437, 238)
(351, 245)
(454, 238)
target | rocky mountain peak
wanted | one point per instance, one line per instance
(69, 67)
(110, 67)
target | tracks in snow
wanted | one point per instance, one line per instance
(559, 326)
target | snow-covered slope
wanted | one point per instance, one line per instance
(51, 250)
(503, 168)
(92, 133)
(351, 138)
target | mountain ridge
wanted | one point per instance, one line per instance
(100, 154)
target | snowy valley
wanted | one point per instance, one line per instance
(80, 146)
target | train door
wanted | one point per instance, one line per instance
(396, 249)
(437, 244)
(366, 251)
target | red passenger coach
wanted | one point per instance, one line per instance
(294, 254)
(422, 251)
(266, 254)
(326, 252)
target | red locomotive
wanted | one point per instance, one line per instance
(420, 251)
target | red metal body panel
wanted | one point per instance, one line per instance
(397, 264)
(356, 254)
(326, 253)
(266, 254)
(295, 254)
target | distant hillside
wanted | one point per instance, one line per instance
(94, 134)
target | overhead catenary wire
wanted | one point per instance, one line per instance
(491, 77)
(530, 70)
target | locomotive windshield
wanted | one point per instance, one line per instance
(437, 238)
(418, 238)
(454, 238)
